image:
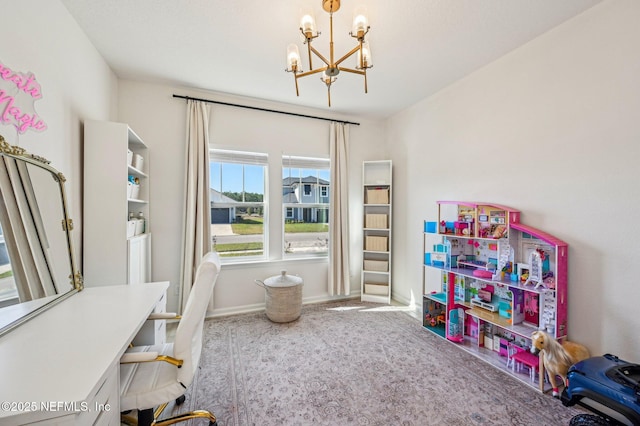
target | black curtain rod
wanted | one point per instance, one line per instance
(264, 109)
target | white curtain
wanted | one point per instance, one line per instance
(197, 212)
(339, 212)
(23, 232)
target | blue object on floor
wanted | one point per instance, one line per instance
(609, 381)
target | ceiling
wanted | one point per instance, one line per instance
(239, 47)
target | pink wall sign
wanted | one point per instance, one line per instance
(18, 93)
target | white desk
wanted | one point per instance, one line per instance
(70, 354)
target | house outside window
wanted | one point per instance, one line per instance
(305, 199)
(238, 195)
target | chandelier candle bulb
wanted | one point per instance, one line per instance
(360, 22)
(364, 57)
(293, 58)
(308, 25)
(328, 80)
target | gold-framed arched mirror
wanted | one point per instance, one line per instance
(37, 265)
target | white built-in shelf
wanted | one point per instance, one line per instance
(375, 283)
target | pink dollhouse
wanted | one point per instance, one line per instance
(503, 273)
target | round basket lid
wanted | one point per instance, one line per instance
(283, 280)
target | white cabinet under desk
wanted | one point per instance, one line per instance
(154, 332)
(62, 367)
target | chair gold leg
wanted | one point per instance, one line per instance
(202, 414)
(159, 410)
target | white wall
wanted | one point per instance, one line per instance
(160, 119)
(553, 130)
(41, 37)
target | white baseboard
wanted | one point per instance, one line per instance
(417, 307)
(258, 307)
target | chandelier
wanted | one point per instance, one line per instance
(331, 67)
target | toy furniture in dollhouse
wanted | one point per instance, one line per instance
(521, 358)
(434, 313)
(503, 347)
(483, 300)
(523, 272)
(455, 325)
(512, 349)
(507, 280)
(471, 327)
(438, 257)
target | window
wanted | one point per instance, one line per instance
(237, 195)
(305, 199)
(8, 290)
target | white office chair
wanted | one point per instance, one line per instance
(153, 376)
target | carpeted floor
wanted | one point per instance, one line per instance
(353, 363)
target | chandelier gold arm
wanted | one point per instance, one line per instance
(351, 70)
(309, 49)
(297, 75)
(365, 82)
(304, 74)
(364, 73)
(319, 55)
(354, 50)
(308, 38)
(331, 36)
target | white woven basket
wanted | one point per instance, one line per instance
(283, 297)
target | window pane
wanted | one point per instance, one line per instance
(254, 183)
(305, 198)
(307, 231)
(232, 180)
(215, 175)
(237, 207)
(8, 290)
(244, 236)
